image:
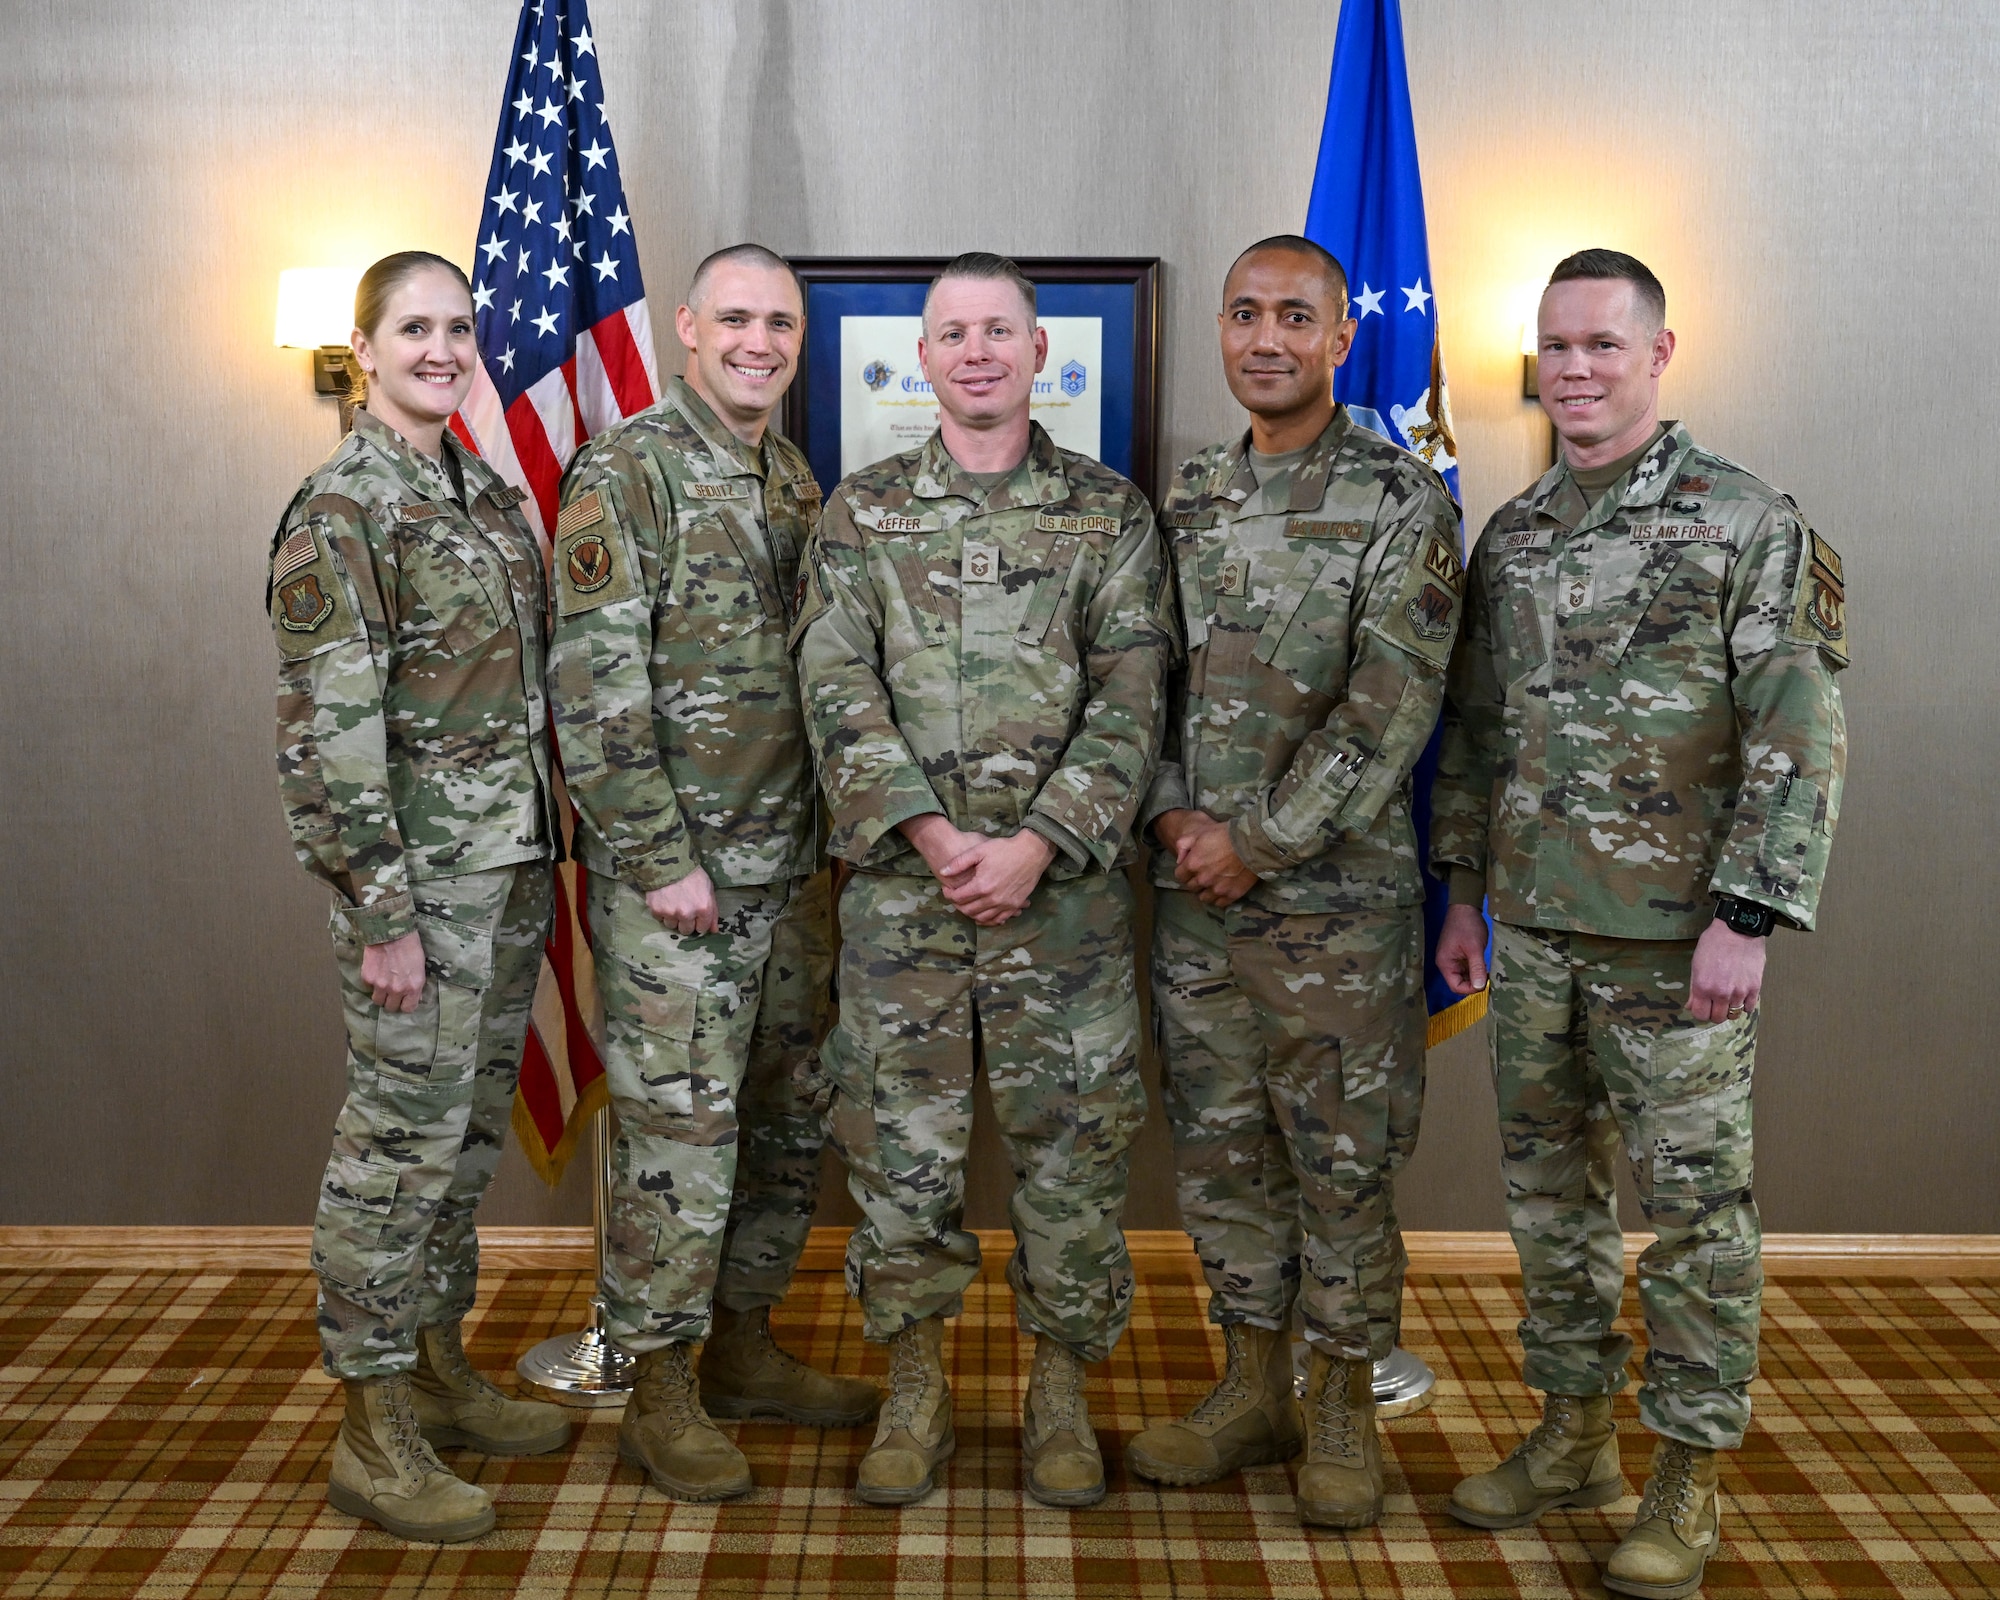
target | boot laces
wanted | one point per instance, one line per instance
(1233, 1387)
(450, 1362)
(1336, 1428)
(909, 1379)
(1670, 1490)
(406, 1437)
(667, 1387)
(1556, 1431)
(1059, 1390)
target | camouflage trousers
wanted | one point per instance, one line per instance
(1593, 1045)
(430, 1093)
(1292, 1050)
(1048, 1005)
(716, 1166)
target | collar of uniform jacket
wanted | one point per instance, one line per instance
(730, 452)
(1557, 499)
(416, 469)
(1234, 479)
(1038, 480)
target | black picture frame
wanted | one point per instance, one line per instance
(840, 283)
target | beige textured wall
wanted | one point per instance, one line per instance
(1815, 183)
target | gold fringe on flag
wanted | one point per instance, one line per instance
(1455, 1019)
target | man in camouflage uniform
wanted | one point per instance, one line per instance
(1641, 773)
(407, 600)
(983, 650)
(677, 710)
(1319, 587)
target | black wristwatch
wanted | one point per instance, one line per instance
(1745, 916)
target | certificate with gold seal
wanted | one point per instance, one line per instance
(861, 394)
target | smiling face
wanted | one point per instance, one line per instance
(1599, 360)
(742, 332)
(981, 350)
(420, 355)
(1284, 330)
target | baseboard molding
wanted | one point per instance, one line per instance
(1843, 1255)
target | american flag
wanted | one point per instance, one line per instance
(566, 349)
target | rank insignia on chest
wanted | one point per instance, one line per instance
(1233, 577)
(982, 563)
(1430, 613)
(588, 564)
(305, 604)
(1442, 563)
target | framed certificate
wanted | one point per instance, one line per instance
(860, 394)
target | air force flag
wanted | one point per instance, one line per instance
(1368, 209)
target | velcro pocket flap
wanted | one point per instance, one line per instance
(1290, 596)
(1049, 587)
(667, 1009)
(1195, 605)
(358, 1184)
(455, 952)
(918, 595)
(1105, 1046)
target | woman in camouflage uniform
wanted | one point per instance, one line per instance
(408, 603)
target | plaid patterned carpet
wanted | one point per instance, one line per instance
(167, 1434)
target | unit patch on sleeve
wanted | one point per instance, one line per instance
(309, 600)
(588, 564)
(303, 605)
(1819, 614)
(1430, 613)
(1442, 563)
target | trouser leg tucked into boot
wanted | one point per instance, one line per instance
(1679, 1526)
(458, 1409)
(666, 1433)
(746, 1373)
(913, 1436)
(385, 1473)
(1570, 1459)
(1064, 1465)
(1340, 1486)
(1249, 1419)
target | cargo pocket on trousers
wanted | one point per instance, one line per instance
(1110, 1098)
(848, 1067)
(437, 1044)
(662, 1016)
(1359, 1146)
(1736, 1291)
(1697, 1116)
(356, 1199)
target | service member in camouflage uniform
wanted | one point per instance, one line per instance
(677, 710)
(406, 594)
(1319, 586)
(1641, 772)
(983, 648)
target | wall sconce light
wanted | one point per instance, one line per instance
(316, 313)
(1531, 378)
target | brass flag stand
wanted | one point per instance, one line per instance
(586, 1368)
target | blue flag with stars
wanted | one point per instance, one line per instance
(1367, 208)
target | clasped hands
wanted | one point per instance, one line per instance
(1204, 859)
(984, 877)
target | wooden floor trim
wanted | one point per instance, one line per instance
(1848, 1255)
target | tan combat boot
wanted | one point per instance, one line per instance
(913, 1436)
(1340, 1486)
(1249, 1419)
(458, 1409)
(1064, 1466)
(1679, 1526)
(384, 1473)
(1570, 1459)
(667, 1435)
(745, 1373)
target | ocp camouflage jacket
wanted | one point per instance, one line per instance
(411, 720)
(1319, 610)
(998, 656)
(1643, 709)
(676, 705)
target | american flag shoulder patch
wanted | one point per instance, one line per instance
(585, 512)
(298, 551)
